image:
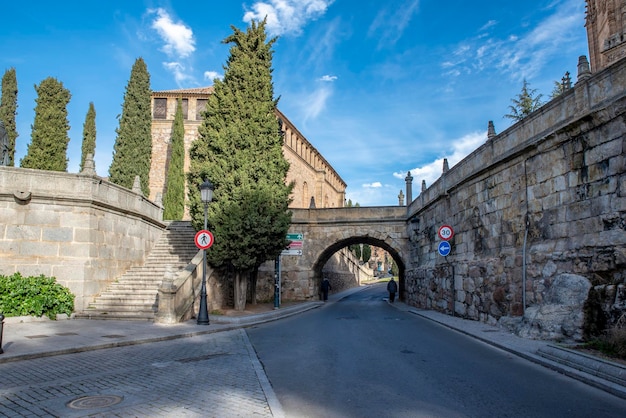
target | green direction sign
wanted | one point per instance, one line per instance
(294, 237)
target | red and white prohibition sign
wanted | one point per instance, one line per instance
(445, 232)
(204, 239)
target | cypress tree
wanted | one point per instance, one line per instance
(239, 150)
(174, 199)
(132, 151)
(48, 147)
(89, 135)
(8, 110)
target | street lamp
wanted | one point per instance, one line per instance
(206, 195)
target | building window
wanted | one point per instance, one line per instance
(185, 108)
(160, 108)
(200, 107)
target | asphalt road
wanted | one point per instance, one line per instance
(360, 357)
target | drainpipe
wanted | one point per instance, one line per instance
(524, 269)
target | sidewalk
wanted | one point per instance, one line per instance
(27, 340)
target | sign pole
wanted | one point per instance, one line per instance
(277, 282)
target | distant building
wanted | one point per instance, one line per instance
(315, 179)
(606, 32)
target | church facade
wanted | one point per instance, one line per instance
(316, 181)
(606, 32)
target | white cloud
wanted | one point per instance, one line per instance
(179, 46)
(520, 56)
(178, 38)
(461, 148)
(367, 195)
(488, 25)
(178, 70)
(286, 16)
(392, 24)
(375, 185)
(212, 75)
(328, 78)
(315, 103)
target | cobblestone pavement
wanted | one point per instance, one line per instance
(201, 376)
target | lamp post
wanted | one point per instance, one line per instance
(206, 195)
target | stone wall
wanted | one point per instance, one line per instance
(344, 271)
(544, 198)
(78, 228)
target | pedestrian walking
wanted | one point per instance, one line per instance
(325, 288)
(392, 288)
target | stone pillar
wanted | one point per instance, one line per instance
(584, 71)
(137, 185)
(409, 187)
(491, 130)
(89, 168)
(166, 311)
(446, 168)
(401, 198)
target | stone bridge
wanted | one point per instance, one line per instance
(326, 231)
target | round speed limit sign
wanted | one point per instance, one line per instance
(445, 232)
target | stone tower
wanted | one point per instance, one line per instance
(606, 32)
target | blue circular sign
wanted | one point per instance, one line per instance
(444, 248)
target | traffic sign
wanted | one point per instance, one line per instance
(295, 244)
(444, 248)
(204, 239)
(445, 232)
(291, 252)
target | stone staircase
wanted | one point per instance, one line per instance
(134, 296)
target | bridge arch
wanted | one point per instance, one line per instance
(328, 252)
(328, 230)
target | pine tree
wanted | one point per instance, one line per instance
(89, 135)
(132, 151)
(174, 199)
(525, 103)
(562, 86)
(49, 139)
(239, 150)
(8, 110)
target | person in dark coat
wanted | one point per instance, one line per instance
(325, 288)
(392, 288)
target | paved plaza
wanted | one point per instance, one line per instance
(210, 375)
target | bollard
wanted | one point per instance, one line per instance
(1, 329)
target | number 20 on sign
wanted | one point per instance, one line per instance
(445, 232)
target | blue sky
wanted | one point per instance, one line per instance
(378, 87)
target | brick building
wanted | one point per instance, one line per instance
(315, 179)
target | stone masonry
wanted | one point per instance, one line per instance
(542, 199)
(80, 229)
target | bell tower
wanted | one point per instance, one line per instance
(606, 32)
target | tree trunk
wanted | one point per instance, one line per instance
(253, 277)
(241, 290)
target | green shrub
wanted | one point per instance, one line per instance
(34, 296)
